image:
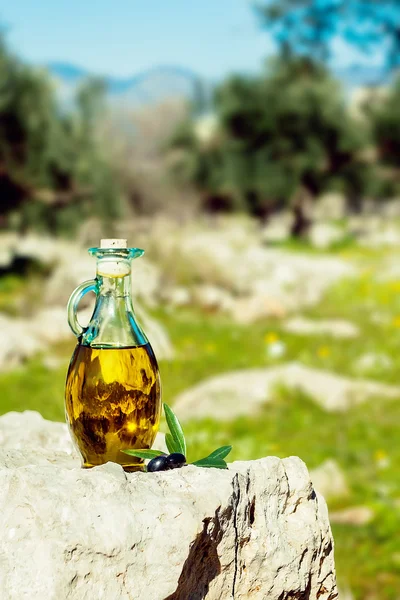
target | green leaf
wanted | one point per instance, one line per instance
(208, 462)
(171, 444)
(220, 452)
(147, 454)
(175, 429)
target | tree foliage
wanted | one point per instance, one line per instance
(308, 27)
(384, 116)
(51, 167)
(277, 134)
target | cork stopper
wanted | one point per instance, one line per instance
(113, 243)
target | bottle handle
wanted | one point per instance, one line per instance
(72, 307)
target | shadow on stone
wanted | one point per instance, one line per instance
(202, 564)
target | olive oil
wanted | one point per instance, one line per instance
(113, 402)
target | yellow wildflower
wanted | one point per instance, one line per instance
(323, 351)
(271, 337)
(395, 286)
(380, 455)
(381, 459)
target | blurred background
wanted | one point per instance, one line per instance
(253, 150)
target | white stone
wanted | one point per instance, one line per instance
(335, 328)
(330, 205)
(244, 392)
(234, 260)
(256, 530)
(73, 265)
(211, 298)
(177, 296)
(345, 594)
(277, 229)
(329, 480)
(18, 343)
(46, 250)
(251, 309)
(391, 209)
(324, 235)
(23, 338)
(387, 235)
(355, 515)
(71, 271)
(156, 334)
(372, 361)
(8, 242)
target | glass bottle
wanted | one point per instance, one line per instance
(113, 391)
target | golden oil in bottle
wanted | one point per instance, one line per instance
(113, 402)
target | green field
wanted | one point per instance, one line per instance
(364, 440)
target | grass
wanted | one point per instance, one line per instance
(364, 440)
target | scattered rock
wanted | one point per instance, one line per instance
(256, 530)
(176, 297)
(235, 261)
(8, 241)
(278, 228)
(53, 362)
(356, 515)
(77, 267)
(50, 325)
(331, 205)
(386, 235)
(329, 480)
(23, 338)
(335, 328)
(47, 251)
(345, 594)
(372, 361)
(18, 343)
(156, 334)
(245, 311)
(230, 395)
(391, 209)
(324, 235)
(212, 298)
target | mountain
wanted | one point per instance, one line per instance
(162, 83)
(148, 87)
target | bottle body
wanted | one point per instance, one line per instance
(113, 402)
(113, 391)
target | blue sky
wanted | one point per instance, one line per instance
(121, 37)
(124, 37)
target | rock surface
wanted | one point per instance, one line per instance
(237, 393)
(257, 530)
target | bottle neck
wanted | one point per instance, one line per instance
(119, 287)
(113, 323)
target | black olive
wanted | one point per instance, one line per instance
(176, 460)
(159, 463)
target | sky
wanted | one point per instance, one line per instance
(125, 37)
